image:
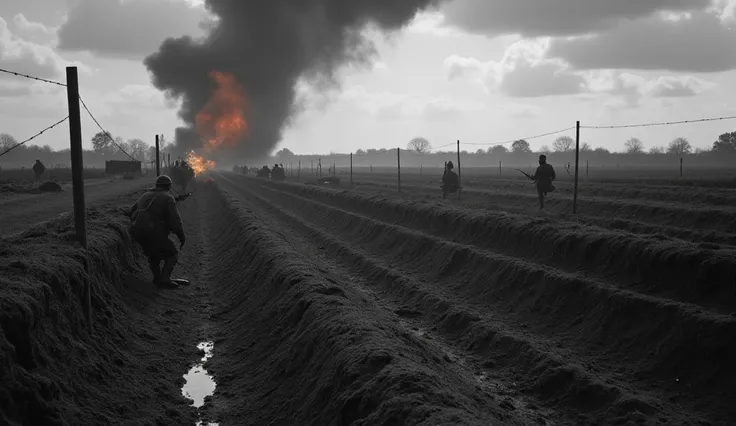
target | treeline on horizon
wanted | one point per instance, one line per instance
(418, 152)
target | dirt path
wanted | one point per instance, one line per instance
(552, 363)
(19, 211)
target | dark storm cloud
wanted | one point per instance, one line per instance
(128, 29)
(701, 43)
(268, 45)
(532, 18)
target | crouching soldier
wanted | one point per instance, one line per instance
(153, 217)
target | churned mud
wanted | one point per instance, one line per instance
(554, 323)
(128, 369)
(318, 306)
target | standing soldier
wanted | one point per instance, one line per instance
(450, 180)
(544, 176)
(154, 216)
(38, 169)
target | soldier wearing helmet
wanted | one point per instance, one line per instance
(160, 207)
(450, 180)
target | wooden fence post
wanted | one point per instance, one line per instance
(398, 165)
(77, 159)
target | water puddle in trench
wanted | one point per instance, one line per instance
(199, 384)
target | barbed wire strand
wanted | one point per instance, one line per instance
(32, 77)
(109, 136)
(526, 139)
(663, 123)
(34, 136)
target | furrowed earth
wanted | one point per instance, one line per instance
(362, 305)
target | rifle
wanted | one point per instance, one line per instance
(525, 174)
(182, 197)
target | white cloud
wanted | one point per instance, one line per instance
(34, 31)
(522, 72)
(26, 57)
(432, 23)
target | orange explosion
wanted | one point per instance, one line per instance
(222, 120)
(198, 163)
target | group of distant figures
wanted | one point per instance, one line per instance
(276, 173)
(542, 178)
(181, 173)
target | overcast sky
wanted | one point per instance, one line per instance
(480, 71)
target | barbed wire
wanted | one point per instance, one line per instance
(34, 136)
(518, 139)
(32, 77)
(105, 132)
(662, 123)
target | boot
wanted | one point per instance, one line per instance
(155, 266)
(166, 271)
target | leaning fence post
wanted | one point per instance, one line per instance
(77, 159)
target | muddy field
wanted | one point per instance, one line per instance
(368, 306)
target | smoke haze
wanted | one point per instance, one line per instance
(268, 45)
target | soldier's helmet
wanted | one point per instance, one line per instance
(450, 166)
(163, 181)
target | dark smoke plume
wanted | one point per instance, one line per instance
(268, 45)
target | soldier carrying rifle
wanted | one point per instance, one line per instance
(543, 179)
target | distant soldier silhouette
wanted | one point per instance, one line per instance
(544, 177)
(154, 216)
(38, 169)
(450, 180)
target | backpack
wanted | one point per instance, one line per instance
(143, 225)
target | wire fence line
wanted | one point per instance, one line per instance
(18, 74)
(34, 136)
(340, 156)
(106, 133)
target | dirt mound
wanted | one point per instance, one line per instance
(628, 329)
(31, 188)
(658, 264)
(314, 352)
(53, 371)
(50, 186)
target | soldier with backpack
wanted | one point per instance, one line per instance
(153, 217)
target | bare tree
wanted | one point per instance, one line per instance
(420, 145)
(680, 147)
(137, 148)
(585, 147)
(521, 146)
(634, 146)
(6, 142)
(498, 149)
(657, 150)
(544, 148)
(564, 144)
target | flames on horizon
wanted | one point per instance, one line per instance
(198, 163)
(221, 122)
